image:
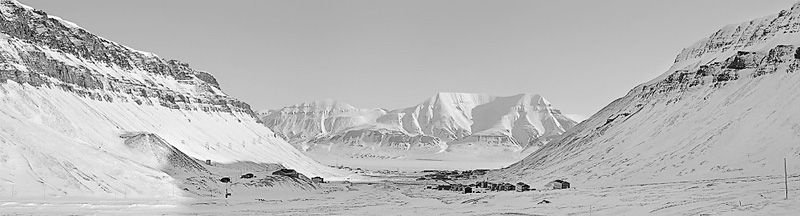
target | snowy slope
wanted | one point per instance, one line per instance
(727, 108)
(446, 122)
(67, 95)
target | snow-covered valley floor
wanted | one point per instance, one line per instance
(761, 195)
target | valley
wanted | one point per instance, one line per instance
(92, 127)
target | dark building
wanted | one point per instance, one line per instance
(318, 179)
(483, 184)
(557, 184)
(507, 187)
(457, 187)
(523, 187)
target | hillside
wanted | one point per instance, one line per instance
(727, 108)
(67, 96)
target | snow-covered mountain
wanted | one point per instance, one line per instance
(67, 97)
(446, 122)
(729, 107)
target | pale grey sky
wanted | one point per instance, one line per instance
(580, 55)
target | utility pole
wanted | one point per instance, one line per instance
(785, 178)
(44, 191)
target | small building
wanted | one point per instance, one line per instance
(479, 190)
(557, 184)
(248, 175)
(507, 187)
(457, 187)
(494, 187)
(318, 179)
(483, 184)
(522, 187)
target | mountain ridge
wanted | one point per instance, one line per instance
(68, 96)
(446, 117)
(723, 110)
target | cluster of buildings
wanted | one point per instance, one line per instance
(485, 186)
(482, 187)
(504, 186)
(452, 175)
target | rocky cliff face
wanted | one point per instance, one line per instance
(725, 109)
(443, 123)
(67, 95)
(732, 38)
(43, 50)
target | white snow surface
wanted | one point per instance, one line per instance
(740, 196)
(72, 143)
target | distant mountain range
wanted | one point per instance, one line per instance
(467, 124)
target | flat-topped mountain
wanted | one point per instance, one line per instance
(446, 122)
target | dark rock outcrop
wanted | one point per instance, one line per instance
(287, 172)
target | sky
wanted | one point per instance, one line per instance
(580, 55)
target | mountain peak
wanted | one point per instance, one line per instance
(769, 31)
(534, 98)
(7, 8)
(325, 104)
(14, 3)
(456, 95)
(520, 120)
(796, 6)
